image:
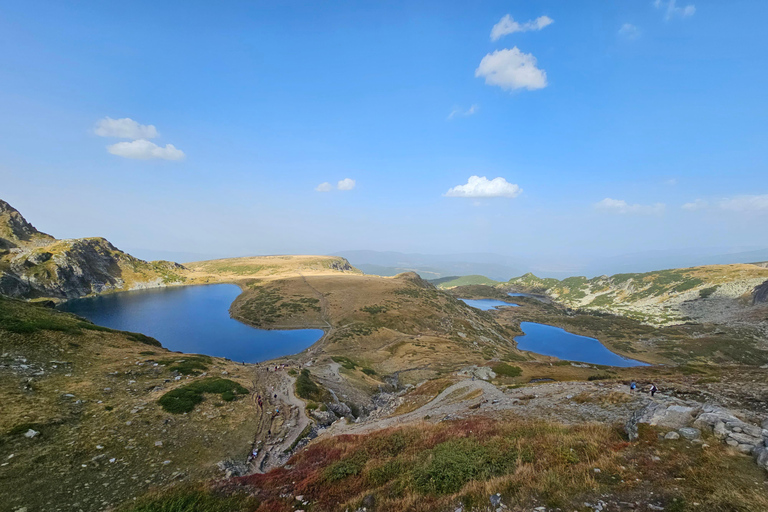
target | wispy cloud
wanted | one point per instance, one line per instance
(698, 204)
(671, 10)
(125, 128)
(140, 148)
(145, 150)
(622, 207)
(507, 25)
(746, 203)
(629, 31)
(324, 187)
(512, 69)
(477, 187)
(460, 112)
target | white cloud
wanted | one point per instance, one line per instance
(671, 10)
(698, 204)
(629, 31)
(145, 150)
(324, 187)
(346, 184)
(622, 207)
(746, 203)
(125, 128)
(477, 186)
(460, 112)
(511, 69)
(507, 25)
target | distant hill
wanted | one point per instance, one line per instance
(453, 281)
(661, 297)
(34, 264)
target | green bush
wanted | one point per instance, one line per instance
(185, 398)
(506, 370)
(369, 371)
(306, 387)
(345, 362)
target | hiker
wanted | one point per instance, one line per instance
(654, 389)
(632, 386)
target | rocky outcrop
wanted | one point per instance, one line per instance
(760, 293)
(34, 264)
(16, 231)
(691, 419)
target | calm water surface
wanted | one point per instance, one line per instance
(486, 304)
(553, 341)
(192, 319)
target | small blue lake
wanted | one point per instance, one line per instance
(553, 341)
(192, 319)
(488, 304)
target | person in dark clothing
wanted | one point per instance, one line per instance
(654, 389)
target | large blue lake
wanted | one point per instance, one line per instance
(192, 319)
(553, 341)
(487, 304)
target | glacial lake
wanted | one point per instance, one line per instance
(553, 341)
(487, 304)
(192, 319)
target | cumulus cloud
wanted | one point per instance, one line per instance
(511, 69)
(671, 10)
(757, 203)
(698, 204)
(145, 150)
(629, 31)
(125, 128)
(477, 186)
(622, 207)
(460, 112)
(324, 187)
(507, 25)
(346, 184)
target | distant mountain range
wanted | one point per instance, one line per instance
(502, 268)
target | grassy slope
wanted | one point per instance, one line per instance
(427, 467)
(451, 282)
(114, 383)
(652, 296)
(388, 324)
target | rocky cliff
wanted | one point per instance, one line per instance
(760, 294)
(34, 264)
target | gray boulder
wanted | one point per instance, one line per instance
(690, 433)
(661, 415)
(761, 456)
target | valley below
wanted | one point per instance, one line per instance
(406, 398)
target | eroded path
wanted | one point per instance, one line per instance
(283, 420)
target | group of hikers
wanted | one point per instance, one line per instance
(652, 390)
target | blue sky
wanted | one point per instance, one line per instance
(615, 126)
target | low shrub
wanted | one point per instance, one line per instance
(306, 387)
(185, 398)
(507, 370)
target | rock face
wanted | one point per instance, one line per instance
(34, 264)
(760, 294)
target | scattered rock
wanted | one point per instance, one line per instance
(689, 433)
(672, 435)
(31, 433)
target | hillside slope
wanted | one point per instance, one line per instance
(660, 297)
(36, 265)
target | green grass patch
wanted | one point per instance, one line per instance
(507, 370)
(306, 388)
(185, 398)
(191, 499)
